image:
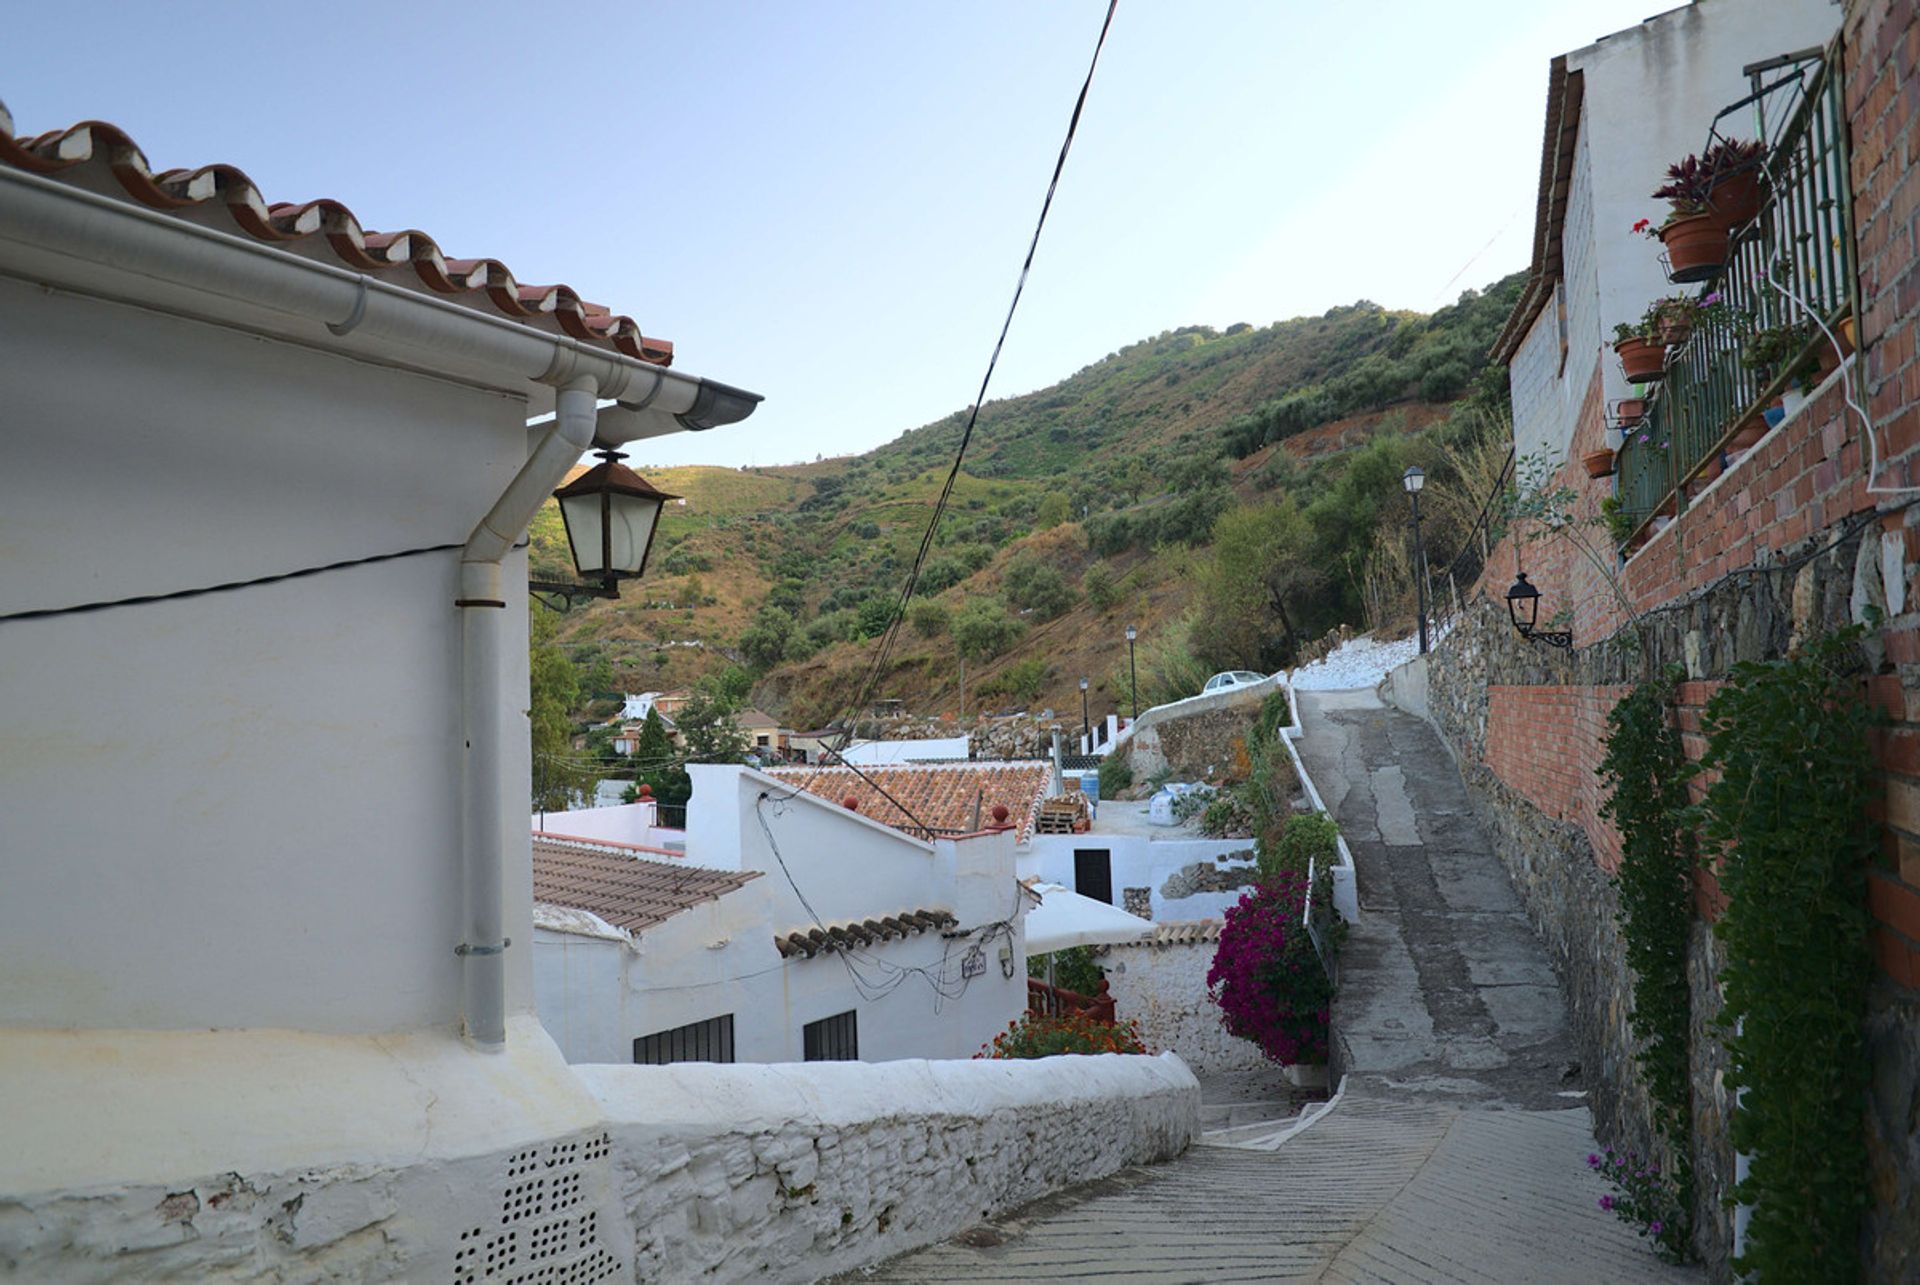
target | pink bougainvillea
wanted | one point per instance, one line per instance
(1266, 978)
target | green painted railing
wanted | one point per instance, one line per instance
(1792, 262)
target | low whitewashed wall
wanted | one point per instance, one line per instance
(1163, 988)
(794, 1172)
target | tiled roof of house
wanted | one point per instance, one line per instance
(815, 941)
(102, 158)
(947, 798)
(1192, 932)
(628, 891)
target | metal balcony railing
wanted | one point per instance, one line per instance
(1791, 263)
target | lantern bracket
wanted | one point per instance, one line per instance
(564, 595)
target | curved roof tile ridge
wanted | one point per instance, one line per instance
(322, 227)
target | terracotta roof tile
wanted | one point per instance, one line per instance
(815, 941)
(98, 156)
(626, 890)
(947, 798)
(1188, 932)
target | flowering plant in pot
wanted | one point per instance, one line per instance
(1642, 357)
(1672, 318)
(1598, 463)
(1768, 349)
(1725, 182)
(1696, 244)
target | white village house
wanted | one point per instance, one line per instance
(786, 928)
(272, 1013)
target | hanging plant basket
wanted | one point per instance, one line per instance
(1696, 247)
(1629, 411)
(1675, 331)
(1849, 333)
(1735, 198)
(1598, 463)
(1642, 359)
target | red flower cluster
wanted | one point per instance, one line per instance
(1268, 981)
(1036, 1035)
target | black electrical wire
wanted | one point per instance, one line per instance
(884, 651)
(177, 595)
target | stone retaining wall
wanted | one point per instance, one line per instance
(796, 1172)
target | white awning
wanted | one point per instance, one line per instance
(1065, 918)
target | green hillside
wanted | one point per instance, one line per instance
(1082, 507)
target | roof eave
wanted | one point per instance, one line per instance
(1565, 92)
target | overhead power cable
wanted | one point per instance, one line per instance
(883, 652)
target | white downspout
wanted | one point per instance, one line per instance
(485, 726)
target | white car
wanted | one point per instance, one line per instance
(1231, 679)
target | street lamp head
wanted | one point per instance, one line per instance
(1413, 479)
(1083, 684)
(611, 513)
(1132, 633)
(1523, 605)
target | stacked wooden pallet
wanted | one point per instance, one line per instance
(1063, 814)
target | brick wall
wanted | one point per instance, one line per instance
(1545, 743)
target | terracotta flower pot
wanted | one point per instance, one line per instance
(1696, 247)
(1630, 410)
(1675, 331)
(1642, 360)
(1749, 433)
(1849, 332)
(1735, 198)
(1598, 463)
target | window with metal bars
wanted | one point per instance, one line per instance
(833, 1039)
(708, 1041)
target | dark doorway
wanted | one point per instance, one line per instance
(1093, 873)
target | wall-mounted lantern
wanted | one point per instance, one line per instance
(1523, 608)
(611, 514)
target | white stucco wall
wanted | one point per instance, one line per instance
(282, 846)
(791, 1173)
(1141, 861)
(622, 823)
(925, 750)
(1651, 92)
(1163, 988)
(912, 1000)
(653, 1173)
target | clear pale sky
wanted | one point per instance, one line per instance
(828, 202)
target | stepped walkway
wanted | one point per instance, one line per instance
(1455, 1150)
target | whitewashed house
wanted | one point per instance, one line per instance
(271, 1013)
(1631, 103)
(265, 469)
(789, 929)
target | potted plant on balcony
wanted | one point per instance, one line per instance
(1726, 183)
(1695, 240)
(1672, 318)
(1736, 179)
(1768, 349)
(1598, 463)
(1642, 357)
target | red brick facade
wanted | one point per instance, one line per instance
(1807, 478)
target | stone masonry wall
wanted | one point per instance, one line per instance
(1163, 987)
(792, 1173)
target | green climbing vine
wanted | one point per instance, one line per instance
(1646, 767)
(1787, 742)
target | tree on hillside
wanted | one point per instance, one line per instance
(982, 629)
(653, 749)
(708, 733)
(553, 690)
(1255, 588)
(764, 644)
(929, 618)
(1032, 582)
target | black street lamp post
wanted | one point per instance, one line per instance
(1133, 676)
(1086, 726)
(1413, 479)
